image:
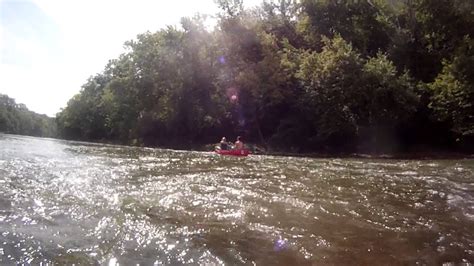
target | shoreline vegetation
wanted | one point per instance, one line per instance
(15, 118)
(259, 150)
(413, 155)
(309, 77)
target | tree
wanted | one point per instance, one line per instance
(428, 32)
(300, 75)
(17, 119)
(386, 101)
(359, 22)
(331, 81)
(453, 92)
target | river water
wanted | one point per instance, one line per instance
(68, 202)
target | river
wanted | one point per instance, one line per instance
(66, 202)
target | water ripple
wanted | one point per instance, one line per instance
(74, 202)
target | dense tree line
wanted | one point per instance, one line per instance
(306, 75)
(17, 119)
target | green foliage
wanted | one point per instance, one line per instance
(428, 32)
(230, 8)
(453, 88)
(390, 98)
(162, 88)
(359, 22)
(388, 101)
(17, 119)
(300, 75)
(331, 80)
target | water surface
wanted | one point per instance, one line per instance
(74, 202)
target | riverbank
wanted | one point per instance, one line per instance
(421, 154)
(411, 155)
(397, 156)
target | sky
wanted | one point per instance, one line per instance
(48, 48)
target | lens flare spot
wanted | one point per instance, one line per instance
(222, 59)
(280, 245)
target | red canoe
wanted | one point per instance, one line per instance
(233, 152)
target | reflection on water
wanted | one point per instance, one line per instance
(73, 202)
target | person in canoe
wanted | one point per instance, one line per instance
(237, 150)
(239, 145)
(224, 145)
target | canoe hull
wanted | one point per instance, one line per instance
(240, 153)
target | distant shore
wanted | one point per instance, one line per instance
(395, 156)
(413, 155)
(259, 150)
